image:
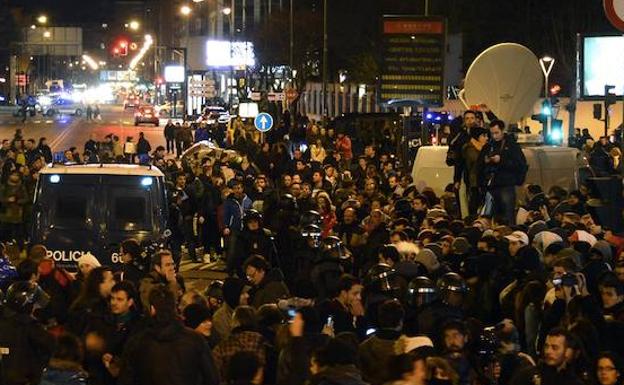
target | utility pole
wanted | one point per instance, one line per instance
(292, 40)
(324, 92)
(426, 7)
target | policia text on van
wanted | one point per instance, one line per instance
(93, 208)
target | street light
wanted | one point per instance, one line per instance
(547, 63)
(134, 25)
(42, 19)
(227, 11)
(185, 10)
(47, 34)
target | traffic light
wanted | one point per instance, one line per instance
(610, 98)
(123, 48)
(555, 136)
(598, 111)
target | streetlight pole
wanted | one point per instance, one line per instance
(292, 39)
(546, 64)
(229, 89)
(324, 92)
(426, 7)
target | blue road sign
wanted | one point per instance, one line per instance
(263, 122)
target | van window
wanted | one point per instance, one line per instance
(70, 210)
(129, 211)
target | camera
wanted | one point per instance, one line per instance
(567, 279)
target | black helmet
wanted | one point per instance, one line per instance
(381, 278)
(22, 296)
(312, 233)
(215, 290)
(332, 247)
(451, 283)
(310, 217)
(421, 291)
(251, 215)
(287, 202)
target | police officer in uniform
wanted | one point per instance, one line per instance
(25, 346)
(253, 239)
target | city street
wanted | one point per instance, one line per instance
(66, 131)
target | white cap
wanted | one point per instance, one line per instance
(89, 259)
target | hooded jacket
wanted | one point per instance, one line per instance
(168, 354)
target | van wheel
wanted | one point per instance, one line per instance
(78, 112)
(51, 112)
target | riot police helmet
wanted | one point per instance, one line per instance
(287, 202)
(252, 215)
(452, 286)
(421, 291)
(332, 247)
(310, 217)
(381, 278)
(22, 296)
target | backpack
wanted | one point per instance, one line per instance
(453, 155)
(523, 169)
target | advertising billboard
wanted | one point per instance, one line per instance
(221, 53)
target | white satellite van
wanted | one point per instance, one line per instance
(548, 166)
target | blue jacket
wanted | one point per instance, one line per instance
(8, 273)
(233, 212)
(52, 376)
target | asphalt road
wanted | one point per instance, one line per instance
(65, 131)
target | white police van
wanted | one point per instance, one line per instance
(92, 208)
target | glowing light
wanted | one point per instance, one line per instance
(55, 178)
(92, 63)
(227, 11)
(134, 25)
(42, 19)
(47, 34)
(147, 181)
(146, 46)
(185, 10)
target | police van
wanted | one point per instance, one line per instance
(92, 208)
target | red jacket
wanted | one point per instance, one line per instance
(344, 147)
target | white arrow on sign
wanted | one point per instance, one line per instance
(263, 122)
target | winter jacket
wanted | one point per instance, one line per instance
(375, 354)
(241, 340)
(29, 348)
(233, 211)
(270, 290)
(143, 146)
(8, 273)
(13, 197)
(504, 173)
(168, 354)
(60, 372)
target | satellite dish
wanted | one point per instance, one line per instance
(507, 77)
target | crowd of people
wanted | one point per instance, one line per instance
(342, 270)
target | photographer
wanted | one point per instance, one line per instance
(573, 302)
(505, 168)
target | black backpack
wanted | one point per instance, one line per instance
(454, 153)
(523, 169)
